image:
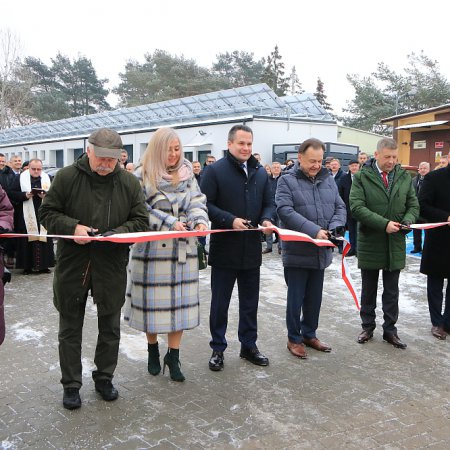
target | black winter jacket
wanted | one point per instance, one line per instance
(230, 194)
(434, 199)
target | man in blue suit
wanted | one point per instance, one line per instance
(238, 197)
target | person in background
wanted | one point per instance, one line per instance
(275, 172)
(384, 203)
(92, 196)
(424, 168)
(6, 224)
(328, 160)
(362, 158)
(434, 199)
(123, 158)
(24, 166)
(2, 162)
(335, 170)
(33, 254)
(238, 196)
(257, 156)
(129, 167)
(308, 201)
(7, 178)
(197, 169)
(268, 169)
(442, 163)
(15, 163)
(344, 187)
(288, 164)
(162, 291)
(210, 159)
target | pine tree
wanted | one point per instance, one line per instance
(320, 95)
(295, 85)
(274, 72)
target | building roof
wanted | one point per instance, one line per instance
(416, 113)
(256, 99)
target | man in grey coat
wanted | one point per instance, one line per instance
(308, 201)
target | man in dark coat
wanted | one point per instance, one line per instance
(424, 168)
(7, 178)
(344, 186)
(384, 203)
(434, 198)
(307, 201)
(238, 196)
(93, 195)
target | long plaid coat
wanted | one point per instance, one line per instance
(162, 289)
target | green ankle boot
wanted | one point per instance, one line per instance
(173, 362)
(154, 366)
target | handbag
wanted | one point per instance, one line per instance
(201, 254)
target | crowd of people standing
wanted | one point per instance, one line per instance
(157, 282)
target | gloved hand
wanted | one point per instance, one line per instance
(6, 276)
(406, 227)
(337, 232)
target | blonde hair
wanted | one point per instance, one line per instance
(154, 158)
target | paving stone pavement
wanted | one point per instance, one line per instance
(357, 396)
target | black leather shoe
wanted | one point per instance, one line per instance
(254, 356)
(365, 336)
(71, 398)
(216, 361)
(266, 250)
(106, 390)
(351, 253)
(416, 250)
(394, 340)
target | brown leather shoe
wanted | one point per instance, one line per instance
(439, 333)
(394, 340)
(297, 350)
(365, 336)
(317, 345)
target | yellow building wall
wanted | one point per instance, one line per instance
(366, 141)
(403, 137)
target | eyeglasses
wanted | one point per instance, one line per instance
(36, 169)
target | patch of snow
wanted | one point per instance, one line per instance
(24, 333)
(134, 346)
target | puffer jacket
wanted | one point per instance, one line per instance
(308, 205)
(112, 202)
(374, 207)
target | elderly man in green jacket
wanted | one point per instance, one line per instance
(92, 196)
(384, 203)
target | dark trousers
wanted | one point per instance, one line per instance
(222, 284)
(435, 294)
(106, 352)
(389, 299)
(304, 299)
(417, 239)
(352, 226)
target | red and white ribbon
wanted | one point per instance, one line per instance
(285, 235)
(131, 238)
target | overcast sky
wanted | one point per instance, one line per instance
(329, 39)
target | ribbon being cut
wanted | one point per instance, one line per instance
(285, 235)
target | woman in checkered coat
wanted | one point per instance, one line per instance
(162, 289)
